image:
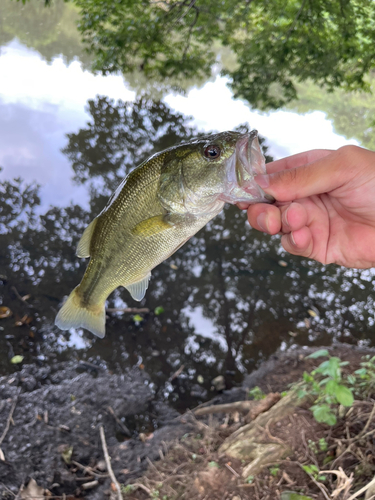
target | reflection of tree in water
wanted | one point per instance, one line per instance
(227, 275)
(51, 31)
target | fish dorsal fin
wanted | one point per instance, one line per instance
(83, 248)
(153, 225)
(138, 290)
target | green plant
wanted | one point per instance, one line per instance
(275, 470)
(249, 479)
(129, 488)
(313, 471)
(323, 445)
(256, 393)
(366, 375)
(328, 387)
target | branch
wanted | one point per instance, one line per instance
(108, 464)
(9, 418)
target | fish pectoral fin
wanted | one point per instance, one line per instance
(83, 248)
(138, 290)
(153, 225)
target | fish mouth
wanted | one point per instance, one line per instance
(250, 162)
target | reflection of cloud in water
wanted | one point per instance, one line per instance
(36, 114)
(203, 326)
(30, 143)
(213, 107)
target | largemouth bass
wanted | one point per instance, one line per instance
(155, 210)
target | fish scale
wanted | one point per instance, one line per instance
(156, 209)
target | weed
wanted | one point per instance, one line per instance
(256, 393)
(313, 471)
(326, 384)
(275, 470)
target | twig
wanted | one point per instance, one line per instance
(108, 463)
(121, 424)
(8, 490)
(88, 470)
(232, 470)
(362, 490)
(368, 421)
(9, 419)
(129, 310)
(14, 289)
(153, 467)
(319, 485)
(177, 373)
(142, 487)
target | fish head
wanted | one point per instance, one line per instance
(199, 176)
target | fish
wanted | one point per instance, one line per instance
(156, 209)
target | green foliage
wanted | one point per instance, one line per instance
(275, 470)
(213, 464)
(275, 44)
(313, 471)
(326, 384)
(256, 393)
(366, 375)
(291, 495)
(126, 490)
(158, 310)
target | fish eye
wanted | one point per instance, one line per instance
(212, 152)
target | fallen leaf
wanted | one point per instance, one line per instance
(16, 359)
(67, 455)
(2, 457)
(293, 334)
(307, 322)
(282, 263)
(312, 313)
(173, 266)
(32, 491)
(5, 312)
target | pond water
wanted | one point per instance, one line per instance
(231, 297)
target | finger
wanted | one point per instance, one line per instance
(298, 242)
(293, 217)
(243, 205)
(266, 218)
(322, 176)
(297, 160)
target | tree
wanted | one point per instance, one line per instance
(332, 42)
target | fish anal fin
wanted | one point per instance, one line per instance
(138, 290)
(83, 248)
(153, 225)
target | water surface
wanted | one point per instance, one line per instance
(67, 138)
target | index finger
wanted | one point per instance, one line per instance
(297, 160)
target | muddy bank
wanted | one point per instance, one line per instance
(58, 411)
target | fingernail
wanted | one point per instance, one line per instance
(262, 222)
(285, 217)
(293, 241)
(262, 180)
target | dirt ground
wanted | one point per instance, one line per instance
(49, 431)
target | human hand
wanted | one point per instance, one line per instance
(325, 205)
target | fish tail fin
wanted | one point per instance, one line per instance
(74, 314)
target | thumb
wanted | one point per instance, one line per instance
(320, 176)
